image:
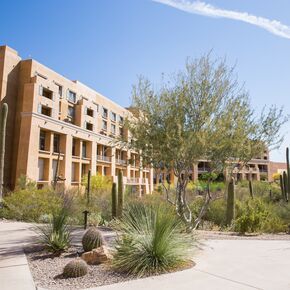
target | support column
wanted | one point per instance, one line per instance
(93, 165)
(113, 162)
(68, 160)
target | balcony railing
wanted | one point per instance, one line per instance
(103, 158)
(138, 180)
(203, 169)
(121, 162)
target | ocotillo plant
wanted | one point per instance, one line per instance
(3, 121)
(120, 194)
(114, 200)
(230, 215)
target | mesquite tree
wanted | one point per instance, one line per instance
(199, 113)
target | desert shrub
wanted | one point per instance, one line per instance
(75, 268)
(216, 212)
(150, 242)
(98, 182)
(257, 215)
(55, 236)
(23, 182)
(93, 238)
(30, 205)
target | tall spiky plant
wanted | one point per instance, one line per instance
(120, 194)
(230, 215)
(3, 121)
(114, 200)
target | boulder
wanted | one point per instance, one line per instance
(97, 256)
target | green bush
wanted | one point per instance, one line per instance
(216, 212)
(256, 215)
(30, 205)
(55, 236)
(98, 182)
(151, 241)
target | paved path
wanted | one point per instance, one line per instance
(14, 270)
(222, 264)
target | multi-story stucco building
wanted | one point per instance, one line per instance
(48, 115)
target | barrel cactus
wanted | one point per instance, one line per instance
(92, 239)
(75, 268)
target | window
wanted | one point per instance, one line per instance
(47, 93)
(56, 143)
(121, 132)
(42, 140)
(71, 112)
(40, 169)
(59, 107)
(105, 113)
(74, 147)
(113, 116)
(90, 112)
(59, 90)
(84, 149)
(104, 125)
(71, 96)
(89, 126)
(113, 129)
(121, 120)
(46, 111)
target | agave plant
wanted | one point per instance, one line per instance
(55, 236)
(150, 241)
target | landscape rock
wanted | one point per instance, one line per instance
(97, 256)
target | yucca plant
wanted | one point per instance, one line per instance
(55, 236)
(150, 241)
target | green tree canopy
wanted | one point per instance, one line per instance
(200, 112)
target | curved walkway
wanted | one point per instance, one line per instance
(221, 264)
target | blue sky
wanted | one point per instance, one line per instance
(107, 43)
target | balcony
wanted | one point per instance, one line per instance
(121, 162)
(134, 180)
(103, 158)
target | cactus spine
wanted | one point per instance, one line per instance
(120, 194)
(114, 200)
(3, 121)
(231, 202)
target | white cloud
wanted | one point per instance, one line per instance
(202, 8)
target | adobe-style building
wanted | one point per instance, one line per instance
(51, 115)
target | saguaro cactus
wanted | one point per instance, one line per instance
(120, 194)
(89, 187)
(231, 202)
(3, 121)
(251, 188)
(114, 200)
(285, 179)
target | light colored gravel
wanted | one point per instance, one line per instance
(47, 271)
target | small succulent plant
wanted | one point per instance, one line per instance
(75, 268)
(92, 239)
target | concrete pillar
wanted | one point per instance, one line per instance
(151, 183)
(113, 162)
(93, 164)
(68, 160)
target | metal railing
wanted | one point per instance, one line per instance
(103, 158)
(121, 161)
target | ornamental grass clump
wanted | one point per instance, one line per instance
(55, 236)
(151, 241)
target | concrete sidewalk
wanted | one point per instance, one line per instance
(226, 265)
(14, 269)
(221, 265)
